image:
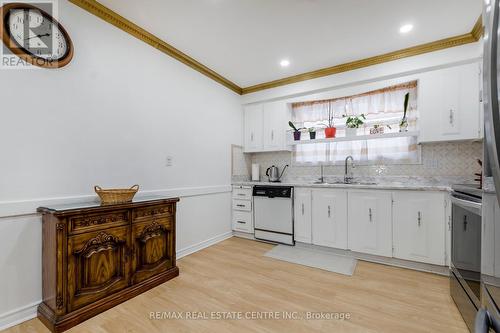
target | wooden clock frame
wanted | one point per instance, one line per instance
(23, 53)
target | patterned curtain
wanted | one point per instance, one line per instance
(382, 107)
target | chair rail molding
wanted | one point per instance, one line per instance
(28, 207)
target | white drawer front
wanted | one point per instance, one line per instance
(242, 221)
(242, 193)
(244, 205)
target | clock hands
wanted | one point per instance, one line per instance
(38, 36)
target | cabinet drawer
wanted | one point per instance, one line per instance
(242, 221)
(92, 222)
(152, 212)
(244, 205)
(242, 193)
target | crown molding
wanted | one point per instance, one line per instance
(129, 27)
(110, 16)
(473, 36)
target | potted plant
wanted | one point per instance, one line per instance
(403, 124)
(330, 129)
(353, 123)
(296, 131)
(312, 133)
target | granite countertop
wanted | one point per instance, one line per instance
(379, 183)
(489, 185)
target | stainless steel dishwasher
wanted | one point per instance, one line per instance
(273, 214)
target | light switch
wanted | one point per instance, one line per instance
(169, 161)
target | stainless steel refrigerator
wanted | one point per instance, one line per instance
(488, 316)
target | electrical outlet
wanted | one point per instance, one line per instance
(169, 161)
(432, 163)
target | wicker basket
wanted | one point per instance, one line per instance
(116, 196)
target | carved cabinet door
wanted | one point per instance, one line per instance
(98, 265)
(153, 248)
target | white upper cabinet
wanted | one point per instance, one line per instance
(329, 218)
(419, 223)
(265, 127)
(254, 119)
(449, 104)
(302, 215)
(275, 120)
(370, 222)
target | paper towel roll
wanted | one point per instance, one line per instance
(255, 172)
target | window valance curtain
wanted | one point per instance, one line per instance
(382, 107)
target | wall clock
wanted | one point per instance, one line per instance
(35, 36)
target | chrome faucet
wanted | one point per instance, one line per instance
(347, 175)
(321, 179)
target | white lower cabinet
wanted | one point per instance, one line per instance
(302, 215)
(370, 222)
(419, 223)
(242, 212)
(409, 225)
(329, 218)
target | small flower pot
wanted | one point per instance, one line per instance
(296, 136)
(330, 132)
(312, 135)
(403, 127)
(349, 132)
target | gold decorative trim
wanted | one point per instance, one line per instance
(108, 15)
(122, 23)
(478, 29)
(467, 38)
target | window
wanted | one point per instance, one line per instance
(383, 108)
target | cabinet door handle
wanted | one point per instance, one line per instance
(419, 219)
(302, 209)
(242, 194)
(241, 222)
(465, 222)
(251, 136)
(272, 135)
(451, 117)
(370, 215)
(329, 211)
(449, 223)
(240, 205)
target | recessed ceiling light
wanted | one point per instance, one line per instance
(406, 28)
(285, 63)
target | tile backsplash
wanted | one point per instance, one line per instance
(449, 159)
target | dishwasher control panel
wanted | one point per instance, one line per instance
(272, 191)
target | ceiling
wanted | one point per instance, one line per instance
(245, 40)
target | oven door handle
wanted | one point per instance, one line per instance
(470, 205)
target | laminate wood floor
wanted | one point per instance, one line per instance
(234, 276)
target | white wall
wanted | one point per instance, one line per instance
(110, 117)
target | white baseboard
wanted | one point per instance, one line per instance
(204, 244)
(18, 316)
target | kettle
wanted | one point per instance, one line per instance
(273, 173)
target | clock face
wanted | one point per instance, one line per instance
(35, 36)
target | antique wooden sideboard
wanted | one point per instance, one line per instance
(95, 257)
